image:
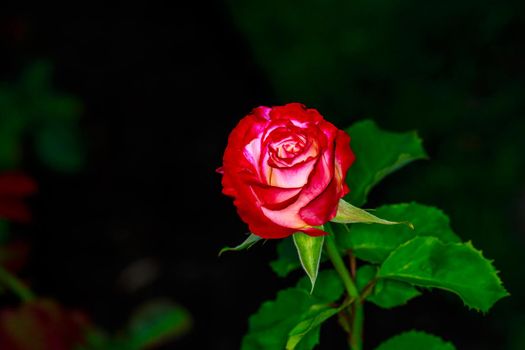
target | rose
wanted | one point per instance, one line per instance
(285, 166)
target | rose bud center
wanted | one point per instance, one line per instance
(289, 148)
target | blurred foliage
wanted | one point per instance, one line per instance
(33, 114)
(41, 324)
(152, 324)
(31, 110)
(388, 59)
(14, 188)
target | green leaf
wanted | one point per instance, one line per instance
(157, 322)
(12, 125)
(36, 77)
(270, 326)
(455, 267)
(415, 340)
(98, 339)
(329, 286)
(59, 147)
(56, 108)
(287, 259)
(375, 243)
(310, 339)
(385, 293)
(378, 153)
(275, 321)
(31, 109)
(329, 289)
(309, 250)
(311, 322)
(248, 242)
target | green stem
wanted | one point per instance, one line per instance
(340, 267)
(15, 285)
(355, 337)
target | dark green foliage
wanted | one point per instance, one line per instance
(292, 313)
(378, 153)
(31, 107)
(286, 261)
(384, 293)
(415, 340)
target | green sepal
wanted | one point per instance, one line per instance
(309, 250)
(455, 267)
(415, 340)
(248, 242)
(349, 214)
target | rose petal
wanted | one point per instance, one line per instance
(297, 113)
(293, 177)
(275, 197)
(289, 216)
(324, 208)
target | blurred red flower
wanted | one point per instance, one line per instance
(14, 187)
(41, 324)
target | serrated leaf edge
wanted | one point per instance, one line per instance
(469, 244)
(414, 331)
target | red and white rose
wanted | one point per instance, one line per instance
(285, 167)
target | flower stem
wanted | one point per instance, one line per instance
(356, 308)
(15, 285)
(356, 337)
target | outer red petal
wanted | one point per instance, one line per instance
(344, 156)
(239, 174)
(297, 111)
(314, 232)
(324, 207)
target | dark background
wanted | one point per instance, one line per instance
(160, 95)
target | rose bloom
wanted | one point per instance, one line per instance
(285, 167)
